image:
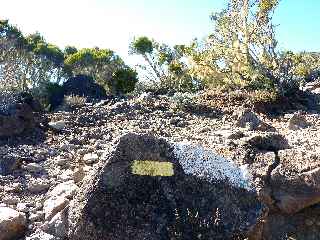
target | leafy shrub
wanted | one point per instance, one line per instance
(123, 81)
(52, 95)
(263, 96)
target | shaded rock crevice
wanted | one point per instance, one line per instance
(272, 167)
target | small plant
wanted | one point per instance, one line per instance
(181, 100)
(264, 96)
(74, 101)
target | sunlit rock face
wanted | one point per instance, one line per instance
(148, 188)
(205, 164)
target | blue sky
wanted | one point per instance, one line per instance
(113, 23)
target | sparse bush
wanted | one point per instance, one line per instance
(263, 96)
(182, 100)
(164, 66)
(74, 101)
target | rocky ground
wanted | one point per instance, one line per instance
(44, 169)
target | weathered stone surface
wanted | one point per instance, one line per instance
(303, 225)
(38, 185)
(59, 125)
(148, 189)
(40, 235)
(33, 167)
(20, 119)
(58, 199)
(247, 117)
(250, 120)
(90, 158)
(8, 163)
(296, 181)
(58, 225)
(12, 223)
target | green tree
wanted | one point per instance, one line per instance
(163, 66)
(242, 48)
(104, 66)
(27, 63)
(69, 50)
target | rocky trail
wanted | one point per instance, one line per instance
(230, 173)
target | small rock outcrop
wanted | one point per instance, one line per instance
(8, 163)
(150, 189)
(296, 181)
(82, 85)
(298, 121)
(248, 119)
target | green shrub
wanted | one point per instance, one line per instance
(123, 81)
(182, 100)
(52, 96)
(263, 96)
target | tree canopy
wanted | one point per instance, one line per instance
(29, 62)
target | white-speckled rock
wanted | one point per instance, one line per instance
(206, 164)
(22, 207)
(40, 235)
(33, 167)
(90, 158)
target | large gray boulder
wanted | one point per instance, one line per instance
(150, 189)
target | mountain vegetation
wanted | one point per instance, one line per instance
(240, 54)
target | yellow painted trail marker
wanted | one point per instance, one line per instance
(152, 168)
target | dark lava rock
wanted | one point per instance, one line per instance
(8, 163)
(142, 192)
(269, 142)
(82, 85)
(17, 113)
(304, 225)
(296, 180)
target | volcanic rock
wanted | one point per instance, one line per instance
(12, 223)
(296, 181)
(150, 189)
